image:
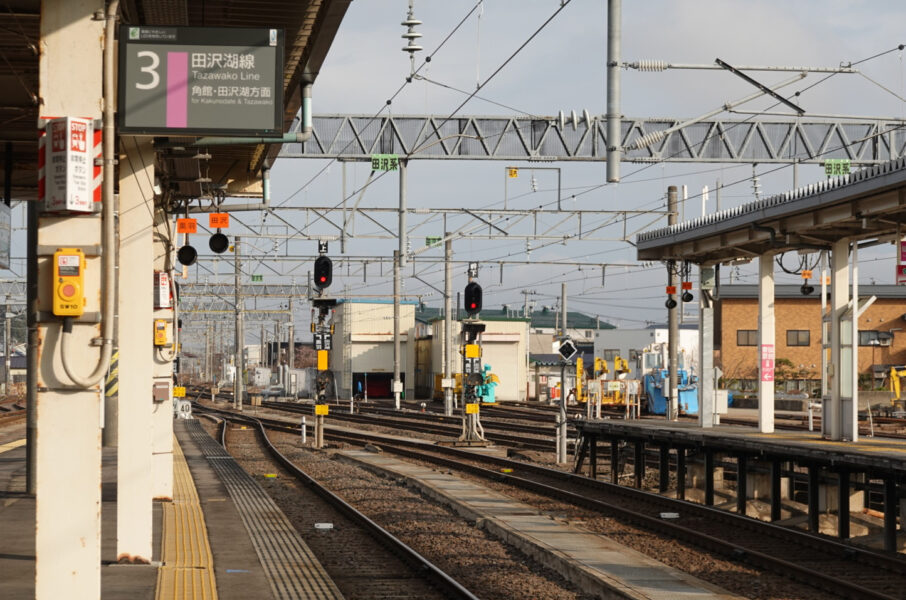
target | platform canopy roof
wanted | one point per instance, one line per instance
(869, 204)
(309, 25)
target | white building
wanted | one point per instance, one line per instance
(362, 349)
(503, 346)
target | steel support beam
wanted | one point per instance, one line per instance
(519, 138)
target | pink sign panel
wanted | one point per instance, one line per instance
(903, 251)
(177, 89)
(901, 274)
(767, 362)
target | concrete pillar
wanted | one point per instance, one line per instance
(162, 371)
(902, 510)
(766, 345)
(829, 496)
(695, 475)
(68, 438)
(758, 485)
(706, 382)
(850, 411)
(134, 466)
(839, 366)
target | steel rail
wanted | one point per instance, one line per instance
(510, 440)
(418, 450)
(732, 550)
(421, 565)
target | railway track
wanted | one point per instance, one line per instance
(841, 569)
(12, 413)
(384, 565)
(445, 426)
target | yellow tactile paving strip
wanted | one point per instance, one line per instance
(187, 569)
(12, 445)
(865, 445)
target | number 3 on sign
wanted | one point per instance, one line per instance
(150, 69)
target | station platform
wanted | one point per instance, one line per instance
(839, 475)
(221, 537)
(877, 453)
(596, 564)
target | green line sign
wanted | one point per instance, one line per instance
(837, 166)
(385, 162)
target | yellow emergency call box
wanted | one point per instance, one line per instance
(68, 282)
(321, 409)
(322, 360)
(160, 332)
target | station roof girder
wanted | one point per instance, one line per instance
(867, 204)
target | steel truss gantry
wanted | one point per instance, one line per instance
(544, 225)
(583, 138)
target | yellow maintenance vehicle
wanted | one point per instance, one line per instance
(895, 374)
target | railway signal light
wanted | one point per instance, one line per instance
(218, 243)
(323, 272)
(187, 255)
(671, 302)
(806, 289)
(473, 298)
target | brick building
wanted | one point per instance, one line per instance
(882, 335)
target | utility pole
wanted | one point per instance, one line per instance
(207, 352)
(6, 346)
(291, 348)
(240, 337)
(561, 416)
(396, 329)
(218, 352)
(399, 260)
(525, 302)
(614, 117)
(448, 325)
(672, 320)
(402, 208)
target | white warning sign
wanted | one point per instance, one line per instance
(69, 169)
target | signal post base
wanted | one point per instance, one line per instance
(465, 443)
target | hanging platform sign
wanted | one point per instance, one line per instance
(200, 81)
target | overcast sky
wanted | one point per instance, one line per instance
(563, 68)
